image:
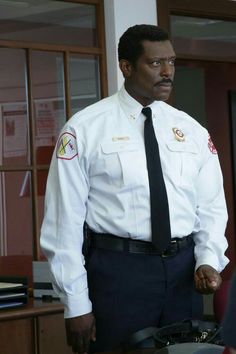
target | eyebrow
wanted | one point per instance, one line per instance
(163, 58)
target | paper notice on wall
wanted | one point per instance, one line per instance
(45, 122)
(50, 117)
(14, 124)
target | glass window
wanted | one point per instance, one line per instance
(14, 149)
(185, 92)
(85, 82)
(16, 213)
(54, 22)
(204, 37)
(46, 74)
(49, 112)
(41, 188)
(49, 101)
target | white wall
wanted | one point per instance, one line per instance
(119, 15)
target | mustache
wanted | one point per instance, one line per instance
(165, 81)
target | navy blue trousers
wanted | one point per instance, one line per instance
(130, 292)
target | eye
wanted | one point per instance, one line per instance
(156, 63)
(172, 61)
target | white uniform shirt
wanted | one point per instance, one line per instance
(98, 173)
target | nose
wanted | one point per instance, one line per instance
(166, 69)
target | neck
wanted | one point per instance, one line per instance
(144, 101)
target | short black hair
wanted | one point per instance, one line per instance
(130, 45)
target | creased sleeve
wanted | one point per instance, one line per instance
(62, 229)
(210, 239)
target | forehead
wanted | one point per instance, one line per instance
(158, 49)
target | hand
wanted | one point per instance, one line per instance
(207, 279)
(80, 331)
(232, 351)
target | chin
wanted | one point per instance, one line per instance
(162, 98)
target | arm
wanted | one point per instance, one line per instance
(80, 331)
(210, 240)
(62, 238)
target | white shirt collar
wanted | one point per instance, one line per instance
(131, 107)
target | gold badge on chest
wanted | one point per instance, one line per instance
(179, 135)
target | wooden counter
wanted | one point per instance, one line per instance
(37, 328)
(34, 308)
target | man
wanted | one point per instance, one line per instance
(101, 175)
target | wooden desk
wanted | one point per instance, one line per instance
(37, 328)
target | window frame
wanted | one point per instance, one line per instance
(99, 51)
(215, 9)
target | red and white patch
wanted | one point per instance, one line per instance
(67, 147)
(211, 146)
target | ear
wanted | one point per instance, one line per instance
(126, 68)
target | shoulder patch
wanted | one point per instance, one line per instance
(211, 146)
(67, 146)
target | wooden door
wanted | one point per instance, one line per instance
(17, 336)
(52, 336)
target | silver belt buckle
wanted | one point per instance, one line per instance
(164, 254)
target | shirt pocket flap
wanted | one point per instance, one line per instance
(182, 147)
(114, 147)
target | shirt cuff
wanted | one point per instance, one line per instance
(76, 305)
(213, 261)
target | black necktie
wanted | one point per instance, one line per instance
(160, 220)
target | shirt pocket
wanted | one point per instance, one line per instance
(125, 162)
(184, 156)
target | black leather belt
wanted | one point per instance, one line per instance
(115, 243)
